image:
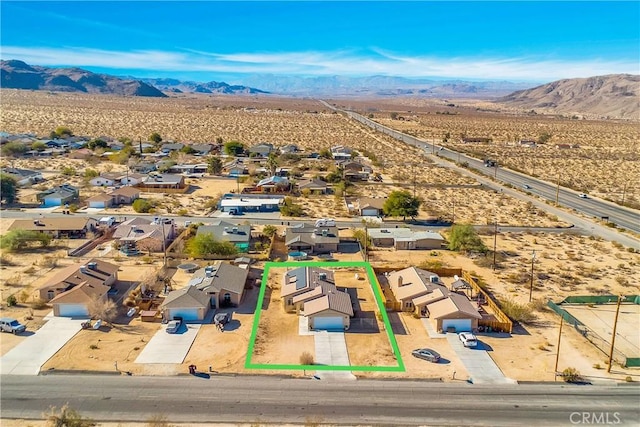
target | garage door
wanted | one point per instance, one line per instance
(370, 212)
(460, 325)
(328, 323)
(73, 310)
(186, 313)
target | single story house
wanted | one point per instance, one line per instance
(239, 235)
(312, 292)
(204, 149)
(355, 171)
(141, 234)
(169, 147)
(340, 152)
(159, 182)
(312, 240)
(119, 196)
(316, 186)
(189, 303)
(80, 154)
(420, 291)
(273, 184)
(289, 149)
(262, 149)
(240, 203)
(23, 176)
(96, 277)
(223, 283)
(77, 301)
(200, 168)
(404, 238)
(58, 196)
(110, 179)
(367, 206)
(67, 226)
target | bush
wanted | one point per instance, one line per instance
(206, 244)
(11, 301)
(306, 358)
(517, 312)
(142, 206)
(39, 304)
(464, 238)
(20, 239)
(269, 230)
(289, 208)
(571, 375)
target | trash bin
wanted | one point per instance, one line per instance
(192, 369)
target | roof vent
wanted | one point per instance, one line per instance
(322, 276)
(234, 230)
(92, 265)
(434, 279)
(83, 269)
(325, 233)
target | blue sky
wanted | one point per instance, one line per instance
(523, 41)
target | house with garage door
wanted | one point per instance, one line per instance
(223, 283)
(423, 292)
(72, 289)
(312, 292)
(189, 303)
(312, 240)
(405, 238)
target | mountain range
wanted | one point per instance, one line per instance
(613, 96)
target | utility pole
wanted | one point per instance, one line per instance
(413, 170)
(366, 239)
(495, 243)
(613, 337)
(555, 370)
(558, 190)
(533, 259)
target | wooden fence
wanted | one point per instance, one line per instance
(503, 323)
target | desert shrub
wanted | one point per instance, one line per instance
(289, 208)
(306, 358)
(158, 420)
(628, 379)
(538, 304)
(571, 375)
(39, 304)
(183, 212)
(517, 312)
(142, 206)
(69, 171)
(147, 259)
(66, 417)
(74, 207)
(20, 239)
(6, 260)
(93, 346)
(429, 264)
(11, 301)
(269, 230)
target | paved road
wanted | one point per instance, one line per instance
(276, 400)
(596, 208)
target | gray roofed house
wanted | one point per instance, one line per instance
(223, 283)
(312, 240)
(312, 292)
(142, 234)
(172, 147)
(189, 303)
(203, 149)
(163, 181)
(239, 235)
(263, 149)
(404, 238)
(58, 196)
(314, 185)
(23, 176)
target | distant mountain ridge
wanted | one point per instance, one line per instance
(381, 86)
(16, 74)
(179, 86)
(612, 96)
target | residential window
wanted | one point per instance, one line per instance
(50, 294)
(408, 305)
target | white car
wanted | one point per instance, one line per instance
(468, 339)
(583, 196)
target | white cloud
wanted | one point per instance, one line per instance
(346, 62)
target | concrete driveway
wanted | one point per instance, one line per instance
(169, 348)
(480, 366)
(331, 349)
(28, 356)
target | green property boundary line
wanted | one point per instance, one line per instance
(377, 292)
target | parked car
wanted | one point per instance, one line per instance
(468, 339)
(8, 324)
(426, 354)
(173, 326)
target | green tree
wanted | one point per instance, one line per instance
(464, 238)
(142, 205)
(325, 153)
(20, 239)
(214, 165)
(272, 163)
(97, 143)
(14, 148)
(233, 148)
(289, 208)
(401, 203)
(39, 146)
(69, 171)
(544, 137)
(155, 137)
(393, 115)
(187, 149)
(205, 244)
(363, 237)
(8, 188)
(63, 132)
(90, 173)
(269, 230)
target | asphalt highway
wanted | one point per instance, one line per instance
(267, 399)
(623, 217)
